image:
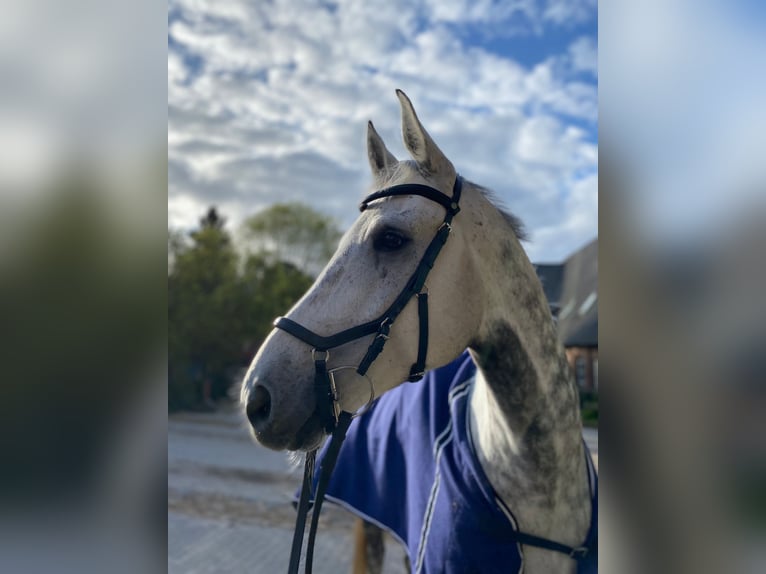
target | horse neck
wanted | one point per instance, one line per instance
(524, 407)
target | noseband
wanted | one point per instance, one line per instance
(335, 420)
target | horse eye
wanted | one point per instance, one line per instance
(389, 240)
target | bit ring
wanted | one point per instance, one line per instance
(366, 406)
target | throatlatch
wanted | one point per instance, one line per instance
(334, 419)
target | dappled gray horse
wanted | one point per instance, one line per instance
(484, 296)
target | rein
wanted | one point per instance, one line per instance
(335, 420)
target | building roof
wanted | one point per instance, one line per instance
(572, 291)
(551, 276)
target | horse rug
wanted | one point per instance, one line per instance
(409, 466)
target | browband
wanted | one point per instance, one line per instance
(449, 203)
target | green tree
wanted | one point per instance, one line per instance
(292, 232)
(204, 329)
(176, 245)
(220, 310)
(268, 289)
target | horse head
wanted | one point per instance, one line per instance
(375, 260)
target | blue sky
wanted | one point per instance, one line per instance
(268, 101)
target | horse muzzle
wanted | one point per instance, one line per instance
(278, 426)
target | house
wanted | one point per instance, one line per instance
(571, 288)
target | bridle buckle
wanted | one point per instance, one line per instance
(383, 330)
(314, 355)
(335, 396)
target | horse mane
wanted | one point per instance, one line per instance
(516, 225)
(511, 219)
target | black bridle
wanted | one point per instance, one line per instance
(335, 420)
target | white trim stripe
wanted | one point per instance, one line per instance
(503, 507)
(442, 440)
(515, 526)
(458, 389)
(426, 528)
(354, 510)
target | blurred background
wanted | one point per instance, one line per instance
(264, 104)
(83, 180)
(682, 261)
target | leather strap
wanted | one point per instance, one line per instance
(325, 471)
(449, 203)
(376, 346)
(303, 509)
(321, 343)
(324, 395)
(579, 553)
(418, 369)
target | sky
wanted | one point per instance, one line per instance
(268, 102)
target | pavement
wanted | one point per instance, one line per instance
(229, 502)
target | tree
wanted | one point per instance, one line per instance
(220, 309)
(294, 233)
(176, 245)
(212, 220)
(268, 289)
(204, 329)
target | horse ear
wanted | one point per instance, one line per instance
(379, 156)
(420, 145)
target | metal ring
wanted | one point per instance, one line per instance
(314, 355)
(365, 407)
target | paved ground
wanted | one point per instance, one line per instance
(229, 503)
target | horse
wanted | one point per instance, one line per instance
(485, 297)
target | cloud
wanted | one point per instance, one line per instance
(268, 102)
(485, 12)
(569, 12)
(584, 55)
(573, 228)
(511, 18)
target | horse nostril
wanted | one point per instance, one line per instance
(258, 406)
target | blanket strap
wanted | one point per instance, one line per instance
(579, 553)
